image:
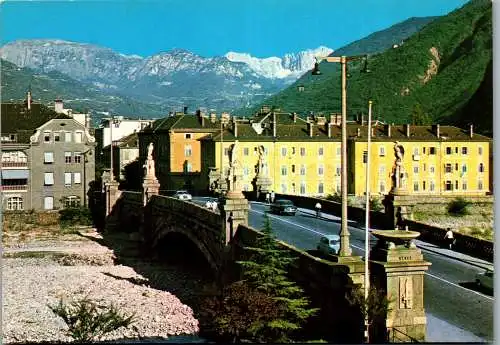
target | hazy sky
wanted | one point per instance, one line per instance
(210, 27)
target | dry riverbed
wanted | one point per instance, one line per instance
(40, 269)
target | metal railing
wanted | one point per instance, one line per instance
(398, 336)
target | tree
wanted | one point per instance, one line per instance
(419, 117)
(266, 271)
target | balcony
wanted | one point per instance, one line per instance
(14, 164)
(15, 187)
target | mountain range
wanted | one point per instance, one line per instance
(102, 80)
(440, 74)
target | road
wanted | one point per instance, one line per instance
(449, 292)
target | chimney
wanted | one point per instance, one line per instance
(294, 117)
(329, 129)
(435, 129)
(387, 130)
(310, 129)
(471, 130)
(235, 127)
(185, 110)
(58, 106)
(359, 132)
(407, 130)
(274, 124)
(29, 100)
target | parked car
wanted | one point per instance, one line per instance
(283, 206)
(182, 195)
(329, 244)
(485, 279)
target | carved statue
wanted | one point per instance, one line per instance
(150, 151)
(262, 159)
(398, 174)
(149, 165)
(233, 168)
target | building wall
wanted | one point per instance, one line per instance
(122, 129)
(185, 151)
(60, 190)
(424, 168)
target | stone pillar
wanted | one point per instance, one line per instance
(398, 208)
(112, 195)
(234, 211)
(398, 268)
(149, 188)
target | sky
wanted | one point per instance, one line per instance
(208, 28)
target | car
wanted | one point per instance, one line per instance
(485, 279)
(182, 195)
(329, 244)
(283, 206)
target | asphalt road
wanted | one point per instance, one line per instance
(449, 291)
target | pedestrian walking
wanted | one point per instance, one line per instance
(318, 209)
(208, 204)
(214, 206)
(272, 196)
(449, 238)
(268, 197)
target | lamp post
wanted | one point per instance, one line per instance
(112, 122)
(221, 156)
(345, 248)
(367, 222)
(84, 154)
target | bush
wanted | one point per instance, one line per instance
(376, 204)
(75, 216)
(458, 207)
(334, 197)
(88, 321)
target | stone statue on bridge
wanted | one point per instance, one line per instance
(234, 176)
(398, 172)
(149, 165)
(262, 162)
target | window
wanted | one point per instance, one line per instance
(338, 189)
(431, 169)
(284, 170)
(245, 171)
(338, 151)
(423, 185)
(320, 151)
(57, 136)
(381, 187)
(302, 188)
(481, 167)
(302, 151)
(67, 137)
(415, 186)
(464, 150)
(283, 188)
(78, 157)
(423, 150)
(78, 137)
(48, 157)
(67, 157)
(425, 166)
(48, 202)
(381, 170)
(415, 169)
(456, 149)
(46, 136)
(464, 185)
(456, 166)
(187, 136)
(189, 167)
(246, 151)
(188, 151)
(365, 156)
(381, 151)
(226, 151)
(15, 203)
(448, 150)
(320, 169)
(302, 170)
(283, 151)
(293, 150)
(447, 168)
(77, 178)
(480, 185)
(293, 168)
(432, 186)
(432, 150)
(67, 179)
(480, 150)
(456, 185)
(464, 168)
(72, 201)
(338, 170)
(321, 188)
(448, 186)
(415, 151)
(48, 178)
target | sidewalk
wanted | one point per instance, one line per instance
(423, 245)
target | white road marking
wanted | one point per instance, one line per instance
(352, 245)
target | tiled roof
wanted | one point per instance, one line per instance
(188, 121)
(16, 118)
(130, 141)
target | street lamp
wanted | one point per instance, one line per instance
(84, 154)
(345, 248)
(367, 222)
(116, 122)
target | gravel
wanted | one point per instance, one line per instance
(31, 284)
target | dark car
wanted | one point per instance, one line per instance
(283, 206)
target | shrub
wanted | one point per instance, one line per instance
(89, 322)
(75, 216)
(458, 207)
(376, 204)
(334, 197)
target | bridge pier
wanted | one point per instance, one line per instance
(234, 212)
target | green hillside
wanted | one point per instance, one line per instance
(439, 70)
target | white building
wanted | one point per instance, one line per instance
(83, 118)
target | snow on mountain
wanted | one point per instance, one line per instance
(291, 65)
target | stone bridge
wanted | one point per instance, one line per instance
(222, 238)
